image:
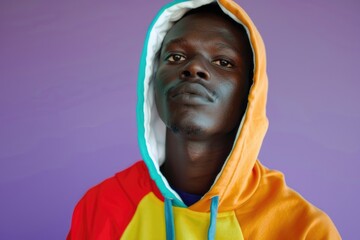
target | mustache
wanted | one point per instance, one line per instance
(193, 88)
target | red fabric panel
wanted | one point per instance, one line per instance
(106, 209)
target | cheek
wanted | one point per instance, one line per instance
(233, 99)
(165, 74)
(158, 97)
(160, 85)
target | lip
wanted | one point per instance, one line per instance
(190, 93)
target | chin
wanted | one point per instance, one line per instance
(190, 124)
(190, 130)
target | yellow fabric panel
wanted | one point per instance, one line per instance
(149, 223)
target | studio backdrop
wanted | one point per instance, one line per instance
(68, 72)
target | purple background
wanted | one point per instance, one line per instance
(68, 73)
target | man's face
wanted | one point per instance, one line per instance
(202, 81)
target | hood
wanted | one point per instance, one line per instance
(239, 176)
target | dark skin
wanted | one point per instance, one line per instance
(201, 89)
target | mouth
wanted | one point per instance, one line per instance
(190, 93)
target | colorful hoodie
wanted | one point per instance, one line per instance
(246, 201)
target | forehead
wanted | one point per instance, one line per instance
(207, 27)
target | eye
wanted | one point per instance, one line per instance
(175, 58)
(223, 63)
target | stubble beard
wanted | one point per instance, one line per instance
(187, 130)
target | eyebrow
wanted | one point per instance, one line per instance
(221, 45)
(184, 43)
(177, 41)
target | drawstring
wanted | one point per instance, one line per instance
(213, 214)
(169, 219)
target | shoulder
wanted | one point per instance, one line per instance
(109, 206)
(302, 218)
(290, 213)
(116, 188)
(120, 192)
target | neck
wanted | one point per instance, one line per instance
(192, 165)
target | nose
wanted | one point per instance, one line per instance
(195, 68)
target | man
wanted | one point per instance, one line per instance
(201, 116)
